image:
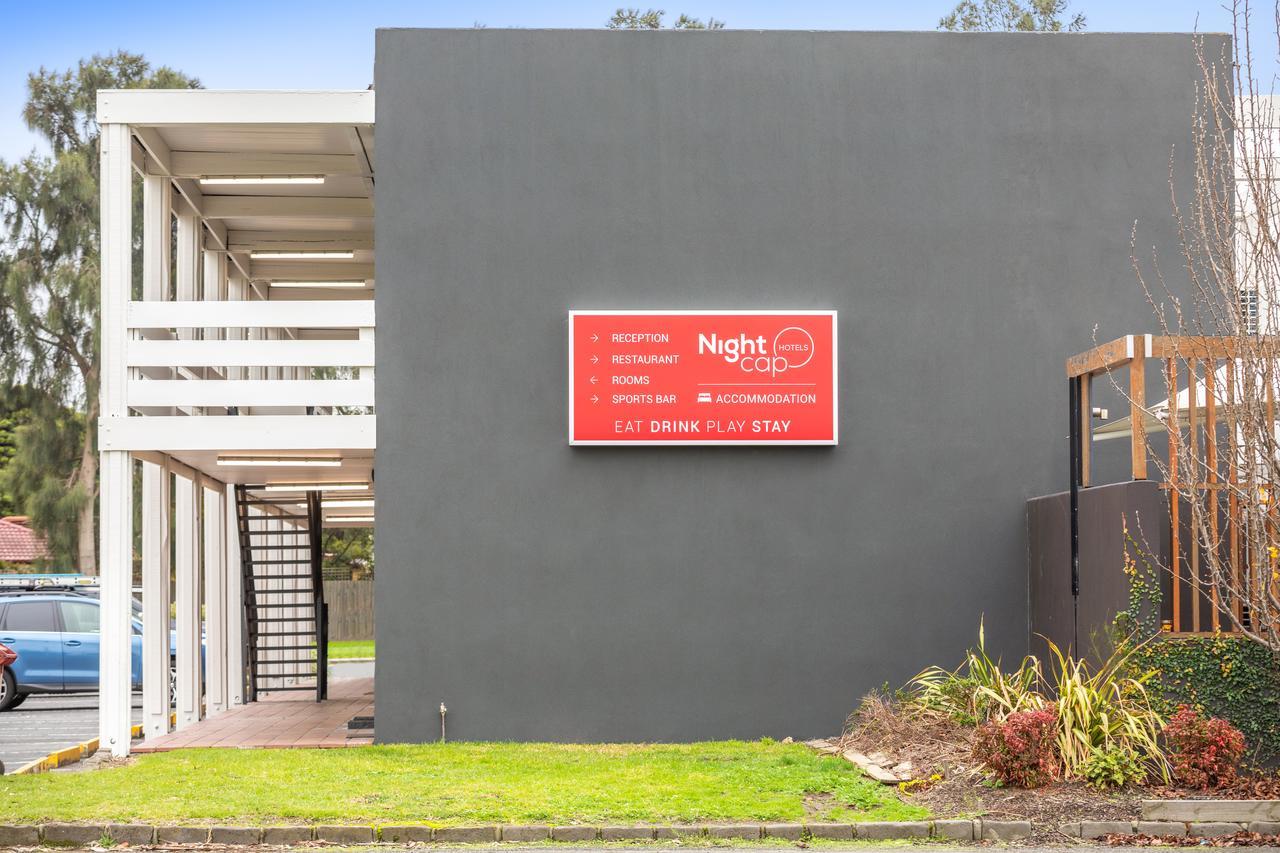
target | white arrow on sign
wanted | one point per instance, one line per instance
(595, 359)
(594, 380)
(595, 399)
(594, 338)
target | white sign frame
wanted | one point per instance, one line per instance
(801, 312)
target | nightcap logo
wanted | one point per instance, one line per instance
(790, 349)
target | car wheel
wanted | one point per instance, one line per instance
(8, 690)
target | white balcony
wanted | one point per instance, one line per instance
(245, 357)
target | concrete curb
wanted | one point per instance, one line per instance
(76, 834)
(1091, 829)
(69, 755)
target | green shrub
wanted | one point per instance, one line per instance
(1233, 678)
(1113, 767)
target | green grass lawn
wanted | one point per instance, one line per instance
(339, 649)
(464, 783)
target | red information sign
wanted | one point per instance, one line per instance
(702, 377)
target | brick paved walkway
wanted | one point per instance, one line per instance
(279, 721)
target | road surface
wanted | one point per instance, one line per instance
(43, 724)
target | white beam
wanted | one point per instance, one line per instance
(318, 270)
(186, 568)
(116, 474)
(173, 107)
(215, 602)
(158, 154)
(358, 148)
(246, 241)
(321, 294)
(200, 164)
(256, 433)
(189, 353)
(156, 593)
(268, 207)
(250, 392)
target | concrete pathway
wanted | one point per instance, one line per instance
(280, 720)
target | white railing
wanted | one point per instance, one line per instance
(218, 355)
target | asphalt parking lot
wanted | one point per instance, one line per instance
(43, 724)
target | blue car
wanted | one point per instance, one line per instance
(56, 636)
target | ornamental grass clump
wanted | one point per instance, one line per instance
(978, 690)
(1103, 711)
(1020, 750)
(1205, 752)
(1105, 723)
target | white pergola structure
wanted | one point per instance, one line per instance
(242, 354)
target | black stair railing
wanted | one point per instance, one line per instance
(315, 526)
(269, 553)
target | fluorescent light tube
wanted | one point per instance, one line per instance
(346, 519)
(301, 254)
(349, 504)
(314, 487)
(346, 284)
(228, 180)
(282, 461)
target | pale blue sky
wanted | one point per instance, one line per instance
(325, 44)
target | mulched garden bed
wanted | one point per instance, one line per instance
(950, 783)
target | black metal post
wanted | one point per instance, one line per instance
(1077, 470)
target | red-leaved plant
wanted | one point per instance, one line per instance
(1204, 752)
(1021, 750)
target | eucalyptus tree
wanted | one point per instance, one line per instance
(651, 19)
(1033, 16)
(49, 291)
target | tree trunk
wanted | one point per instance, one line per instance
(87, 480)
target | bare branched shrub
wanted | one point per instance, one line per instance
(1220, 340)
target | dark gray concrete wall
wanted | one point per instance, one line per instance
(964, 201)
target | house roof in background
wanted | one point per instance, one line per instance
(19, 543)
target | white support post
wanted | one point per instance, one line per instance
(187, 570)
(116, 487)
(235, 600)
(215, 603)
(156, 595)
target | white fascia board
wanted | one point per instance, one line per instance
(173, 107)
(258, 433)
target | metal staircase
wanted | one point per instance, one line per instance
(286, 641)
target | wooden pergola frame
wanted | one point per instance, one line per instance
(1132, 352)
